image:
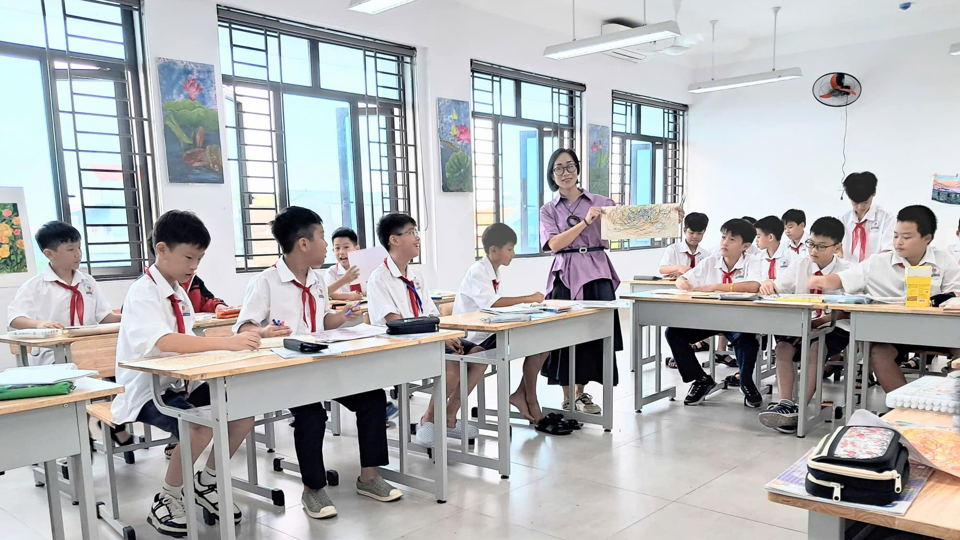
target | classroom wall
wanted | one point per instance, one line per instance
(762, 150)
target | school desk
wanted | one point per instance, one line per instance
(933, 512)
(516, 340)
(271, 383)
(785, 319)
(48, 428)
(651, 334)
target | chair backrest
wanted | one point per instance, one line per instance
(97, 352)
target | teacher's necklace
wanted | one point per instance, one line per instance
(572, 220)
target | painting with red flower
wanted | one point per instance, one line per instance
(599, 160)
(456, 157)
(191, 124)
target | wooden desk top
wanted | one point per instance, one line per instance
(933, 513)
(474, 321)
(445, 299)
(892, 308)
(86, 389)
(66, 338)
(683, 299)
(214, 322)
(272, 361)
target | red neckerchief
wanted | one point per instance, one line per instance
(818, 312)
(772, 271)
(307, 299)
(415, 302)
(692, 258)
(177, 310)
(76, 303)
(860, 237)
(728, 276)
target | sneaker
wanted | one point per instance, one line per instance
(424, 435)
(378, 489)
(751, 396)
(318, 505)
(208, 498)
(454, 432)
(699, 390)
(781, 416)
(585, 404)
(392, 411)
(168, 516)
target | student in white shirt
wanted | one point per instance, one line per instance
(869, 228)
(794, 228)
(480, 289)
(754, 250)
(680, 257)
(728, 271)
(158, 319)
(292, 293)
(883, 275)
(774, 255)
(955, 246)
(61, 295)
(339, 278)
(396, 290)
(821, 259)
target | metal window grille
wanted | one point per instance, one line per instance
(376, 130)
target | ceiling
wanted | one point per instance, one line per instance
(744, 25)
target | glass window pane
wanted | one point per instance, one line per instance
(520, 185)
(640, 165)
(374, 170)
(226, 58)
(21, 21)
(341, 68)
(651, 121)
(536, 102)
(295, 60)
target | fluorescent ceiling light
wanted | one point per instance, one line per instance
(955, 49)
(376, 6)
(745, 80)
(617, 40)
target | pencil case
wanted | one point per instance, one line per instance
(228, 313)
(35, 390)
(305, 347)
(859, 464)
(413, 325)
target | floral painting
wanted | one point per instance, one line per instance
(191, 125)
(17, 263)
(599, 160)
(456, 156)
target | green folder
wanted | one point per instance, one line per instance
(35, 390)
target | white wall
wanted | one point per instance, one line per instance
(762, 150)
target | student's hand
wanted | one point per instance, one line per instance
(681, 271)
(50, 324)
(221, 307)
(680, 212)
(244, 341)
(536, 298)
(353, 297)
(815, 282)
(684, 284)
(821, 321)
(355, 312)
(275, 331)
(352, 273)
(592, 214)
(454, 344)
(768, 287)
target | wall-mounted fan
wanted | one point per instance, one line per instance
(837, 89)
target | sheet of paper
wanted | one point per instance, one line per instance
(642, 221)
(604, 304)
(679, 292)
(48, 374)
(350, 333)
(367, 260)
(287, 353)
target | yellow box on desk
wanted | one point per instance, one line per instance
(918, 280)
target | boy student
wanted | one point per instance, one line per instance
(794, 225)
(730, 270)
(292, 294)
(158, 319)
(202, 300)
(680, 257)
(396, 290)
(883, 275)
(339, 277)
(821, 259)
(480, 289)
(61, 295)
(753, 250)
(955, 246)
(774, 255)
(869, 228)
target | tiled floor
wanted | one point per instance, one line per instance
(670, 472)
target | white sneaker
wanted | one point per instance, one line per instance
(168, 516)
(425, 434)
(454, 432)
(586, 405)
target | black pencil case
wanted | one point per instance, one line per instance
(413, 325)
(305, 347)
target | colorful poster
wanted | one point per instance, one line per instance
(946, 188)
(191, 124)
(643, 221)
(599, 160)
(17, 264)
(456, 157)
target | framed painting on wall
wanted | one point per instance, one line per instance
(17, 263)
(456, 153)
(191, 123)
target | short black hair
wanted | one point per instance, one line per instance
(750, 220)
(553, 160)
(828, 227)
(345, 232)
(924, 217)
(498, 235)
(742, 228)
(696, 222)
(860, 186)
(180, 227)
(770, 225)
(390, 225)
(292, 224)
(794, 216)
(54, 233)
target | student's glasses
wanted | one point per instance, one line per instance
(412, 232)
(570, 168)
(811, 246)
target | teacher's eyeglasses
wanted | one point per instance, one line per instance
(570, 168)
(811, 246)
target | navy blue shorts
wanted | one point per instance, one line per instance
(150, 415)
(837, 342)
(490, 343)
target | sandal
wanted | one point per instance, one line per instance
(732, 381)
(701, 346)
(168, 449)
(570, 424)
(550, 424)
(726, 360)
(671, 363)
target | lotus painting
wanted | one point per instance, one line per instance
(456, 157)
(946, 188)
(191, 125)
(599, 160)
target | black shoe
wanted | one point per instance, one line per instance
(781, 416)
(751, 396)
(699, 390)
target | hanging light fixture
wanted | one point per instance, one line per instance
(772, 76)
(376, 6)
(608, 42)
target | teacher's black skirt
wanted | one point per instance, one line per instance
(589, 355)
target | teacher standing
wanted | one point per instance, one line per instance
(570, 228)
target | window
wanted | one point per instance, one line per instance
(519, 119)
(646, 156)
(74, 130)
(318, 119)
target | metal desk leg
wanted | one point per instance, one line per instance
(804, 373)
(850, 403)
(825, 527)
(335, 413)
(221, 453)
(865, 383)
(440, 443)
(82, 478)
(23, 357)
(53, 500)
(636, 356)
(572, 379)
(62, 354)
(464, 403)
(186, 468)
(503, 414)
(609, 358)
(404, 427)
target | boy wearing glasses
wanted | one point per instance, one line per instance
(396, 290)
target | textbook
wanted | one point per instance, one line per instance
(43, 375)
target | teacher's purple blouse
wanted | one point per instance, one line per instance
(576, 269)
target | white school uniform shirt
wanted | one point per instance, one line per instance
(781, 261)
(799, 249)
(387, 294)
(476, 292)
(878, 224)
(793, 280)
(710, 271)
(954, 249)
(274, 295)
(147, 316)
(332, 274)
(42, 299)
(883, 274)
(679, 253)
